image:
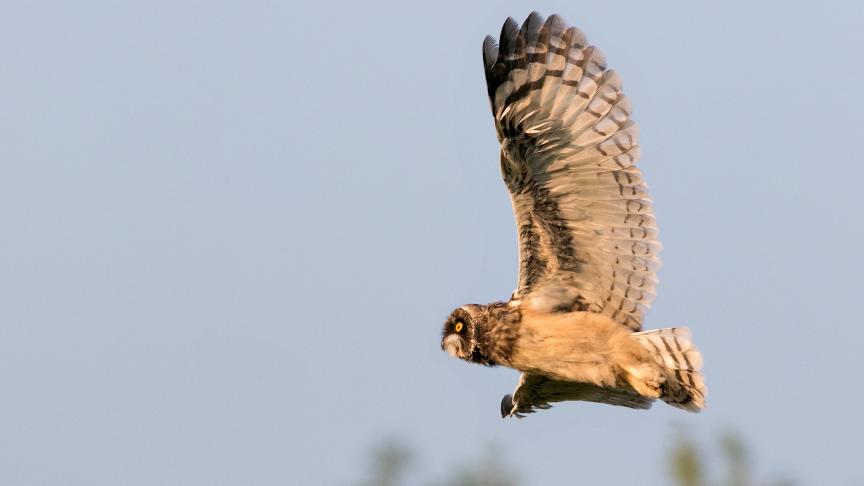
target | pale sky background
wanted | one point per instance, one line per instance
(232, 232)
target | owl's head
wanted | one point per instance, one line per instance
(463, 332)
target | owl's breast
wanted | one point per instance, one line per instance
(577, 346)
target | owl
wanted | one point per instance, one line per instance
(588, 242)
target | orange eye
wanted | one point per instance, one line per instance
(459, 326)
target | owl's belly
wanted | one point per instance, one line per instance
(580, 346)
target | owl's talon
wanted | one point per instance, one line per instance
(507, 407)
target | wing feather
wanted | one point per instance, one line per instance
(587, 235)
(536, 392)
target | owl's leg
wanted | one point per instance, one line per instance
(645, 378)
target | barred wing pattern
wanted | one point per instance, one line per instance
(536, 392)
(587, 234)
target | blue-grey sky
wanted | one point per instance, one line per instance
(232, 231)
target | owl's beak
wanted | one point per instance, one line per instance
(453, 345)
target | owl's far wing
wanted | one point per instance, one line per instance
(536, 392)
(587, 235)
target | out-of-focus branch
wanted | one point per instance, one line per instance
(738, 467)
(389, 462)
(685, 463)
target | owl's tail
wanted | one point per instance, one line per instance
(672, 347)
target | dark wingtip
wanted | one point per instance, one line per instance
(510, 24)
(556, 25)
(556, 20)
(534, 17)
(531, 27)
(507, 39)
(490, 52)
(506, 406)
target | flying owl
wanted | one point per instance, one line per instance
(588, 241)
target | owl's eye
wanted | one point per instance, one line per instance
(458, 327)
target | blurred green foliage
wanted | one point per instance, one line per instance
(391, 463)
(685, 463)
(688, 463)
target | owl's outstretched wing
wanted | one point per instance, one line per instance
(536, 392)
(587, 235)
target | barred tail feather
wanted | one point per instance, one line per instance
(672, 347)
